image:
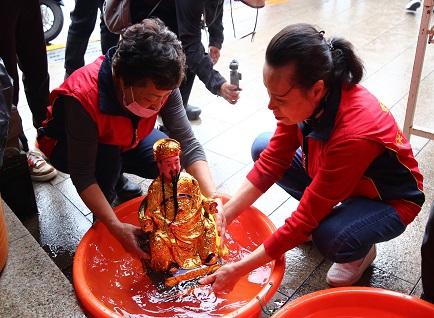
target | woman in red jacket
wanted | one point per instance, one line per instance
(336, 149)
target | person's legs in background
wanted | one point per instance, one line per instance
(23, 43)
(193, 112)
(413, 5)
(83, 19)
(108, 39)
(427, 251)
(10, 16)
(32, 59)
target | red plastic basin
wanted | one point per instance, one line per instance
(111, 283)
(361, 302)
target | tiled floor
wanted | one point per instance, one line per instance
(384, 35)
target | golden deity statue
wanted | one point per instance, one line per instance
(177, 220)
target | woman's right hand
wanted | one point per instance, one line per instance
(127, 234)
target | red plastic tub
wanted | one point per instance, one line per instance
(111, 283)
(361, 302)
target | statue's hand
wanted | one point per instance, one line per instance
(213, 208)
(148, 225)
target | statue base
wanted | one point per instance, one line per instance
(164, 280)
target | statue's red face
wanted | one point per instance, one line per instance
(170, 166)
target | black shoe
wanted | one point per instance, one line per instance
(413, 5)
(193, 112)
(126, 189)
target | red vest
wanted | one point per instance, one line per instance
(114, 129)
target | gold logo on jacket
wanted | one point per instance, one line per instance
(384, 108)
(399, 138)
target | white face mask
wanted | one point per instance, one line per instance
(138, 110)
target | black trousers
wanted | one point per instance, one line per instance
(83, 19)
(22, 42)
(428, 259)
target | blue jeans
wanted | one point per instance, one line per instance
(428, 259)
(353, 226)
(111, 162)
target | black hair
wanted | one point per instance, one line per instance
(150, 51)
(313, 58)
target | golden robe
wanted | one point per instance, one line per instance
(186, 239)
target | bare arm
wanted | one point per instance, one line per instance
(244, 198)
(200, 170)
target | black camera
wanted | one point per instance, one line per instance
(235, 75)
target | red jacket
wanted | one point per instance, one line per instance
(356, 149)
(92, 86)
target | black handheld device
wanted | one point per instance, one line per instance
(235, 75)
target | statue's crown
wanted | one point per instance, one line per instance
(166, 148)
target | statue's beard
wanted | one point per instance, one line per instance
(174, 174)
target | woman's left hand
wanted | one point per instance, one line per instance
(220, 222)
(223, 280)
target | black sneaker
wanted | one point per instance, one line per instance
(193, 112)
(413, 5)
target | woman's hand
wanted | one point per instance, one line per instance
(229, 92)
(220, 219)
(127, 234)
(223, 280)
